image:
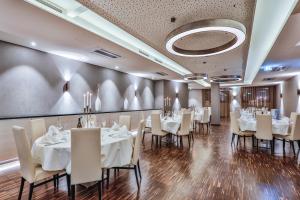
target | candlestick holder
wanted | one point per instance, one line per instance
(88, 113)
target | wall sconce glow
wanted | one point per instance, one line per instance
(72, 11)
(117, 67)
(33, 43)
(66, 86)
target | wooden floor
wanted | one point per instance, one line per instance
(211, 169)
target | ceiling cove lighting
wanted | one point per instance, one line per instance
(219, 25)
(269, 19)
(74, 12)
(225, 78)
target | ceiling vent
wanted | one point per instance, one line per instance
(51, 5)
(161, 73)
(269, 79)
(144, 53)
(106, 53)
(279, 69)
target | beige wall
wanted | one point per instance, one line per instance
(7, 144)
(290, 100)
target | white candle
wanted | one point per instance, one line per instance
(84, 101)
(91, 100)
(87, 99)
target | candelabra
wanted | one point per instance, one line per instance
(87, 108)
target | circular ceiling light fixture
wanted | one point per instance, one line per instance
(222, 25)
(195, 76)
(225, 78)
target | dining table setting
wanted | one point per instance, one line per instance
(170, 124)
(53, 150)
(280, 126)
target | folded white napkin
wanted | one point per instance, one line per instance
(121, 132)
(53, 136)
(115, 127)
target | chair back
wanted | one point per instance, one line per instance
(185, 124)
(38, 129)
(124, 120)
(264, 127)
(295, 132)
(205, 118)
(137, 143)
(234, 125)
(85, 155)
(155, 122)
(27, 166)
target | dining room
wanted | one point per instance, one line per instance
(149, 100)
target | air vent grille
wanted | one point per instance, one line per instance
(144, 53)
(50, 5)
(279, 69)
(269, 79)
(106, 53)
(161, 73)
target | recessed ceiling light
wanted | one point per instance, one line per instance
(33, 43)
(116, 67)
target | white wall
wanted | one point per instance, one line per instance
(195, 98)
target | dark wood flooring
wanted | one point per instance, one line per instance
(211, 169)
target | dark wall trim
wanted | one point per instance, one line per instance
(61, 115)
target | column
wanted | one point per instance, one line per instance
(215, 104)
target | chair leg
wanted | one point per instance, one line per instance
(181, 141)
(292, 145)
(136, 176)
(283, 145)
(252, 141)
(257, 142)
(73, 192)
(232, 138)
(139, 168)
(99, 185)
(151, 141)
(189, 140)
(271, 144)
(54, 181)
(159, 141)
(107, 175)
(244, 140)
(69, 184)
(143, 138)
(21, 188)
(30, 191)
(238, 140)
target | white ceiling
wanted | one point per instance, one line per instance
(150, 22)
(285, 52)
(52, 34)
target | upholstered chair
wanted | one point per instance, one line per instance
(156, 130)
(264, 130)
(125, 120)
(38, 129)
(205, 119)
(293, 135)
(85, 159)
(184, 128)
(135, 159)
(30, 172)
(235, 129)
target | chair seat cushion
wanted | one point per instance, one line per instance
(41, 174)
(286, 136)
(246, 133)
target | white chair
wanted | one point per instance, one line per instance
(184, 129)
(192, 126)
(135, 163)
(264, 130)
(235, 130)
(125, 120)
(38, 129)
(205, 119)
(156, 130)
(30, 172)
(85, 159)
(294, 134)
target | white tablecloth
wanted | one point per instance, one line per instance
(169, 124)
(116, 151)
(278, 126)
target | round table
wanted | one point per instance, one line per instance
(168, 124)
(116, 150)
(279, 127)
